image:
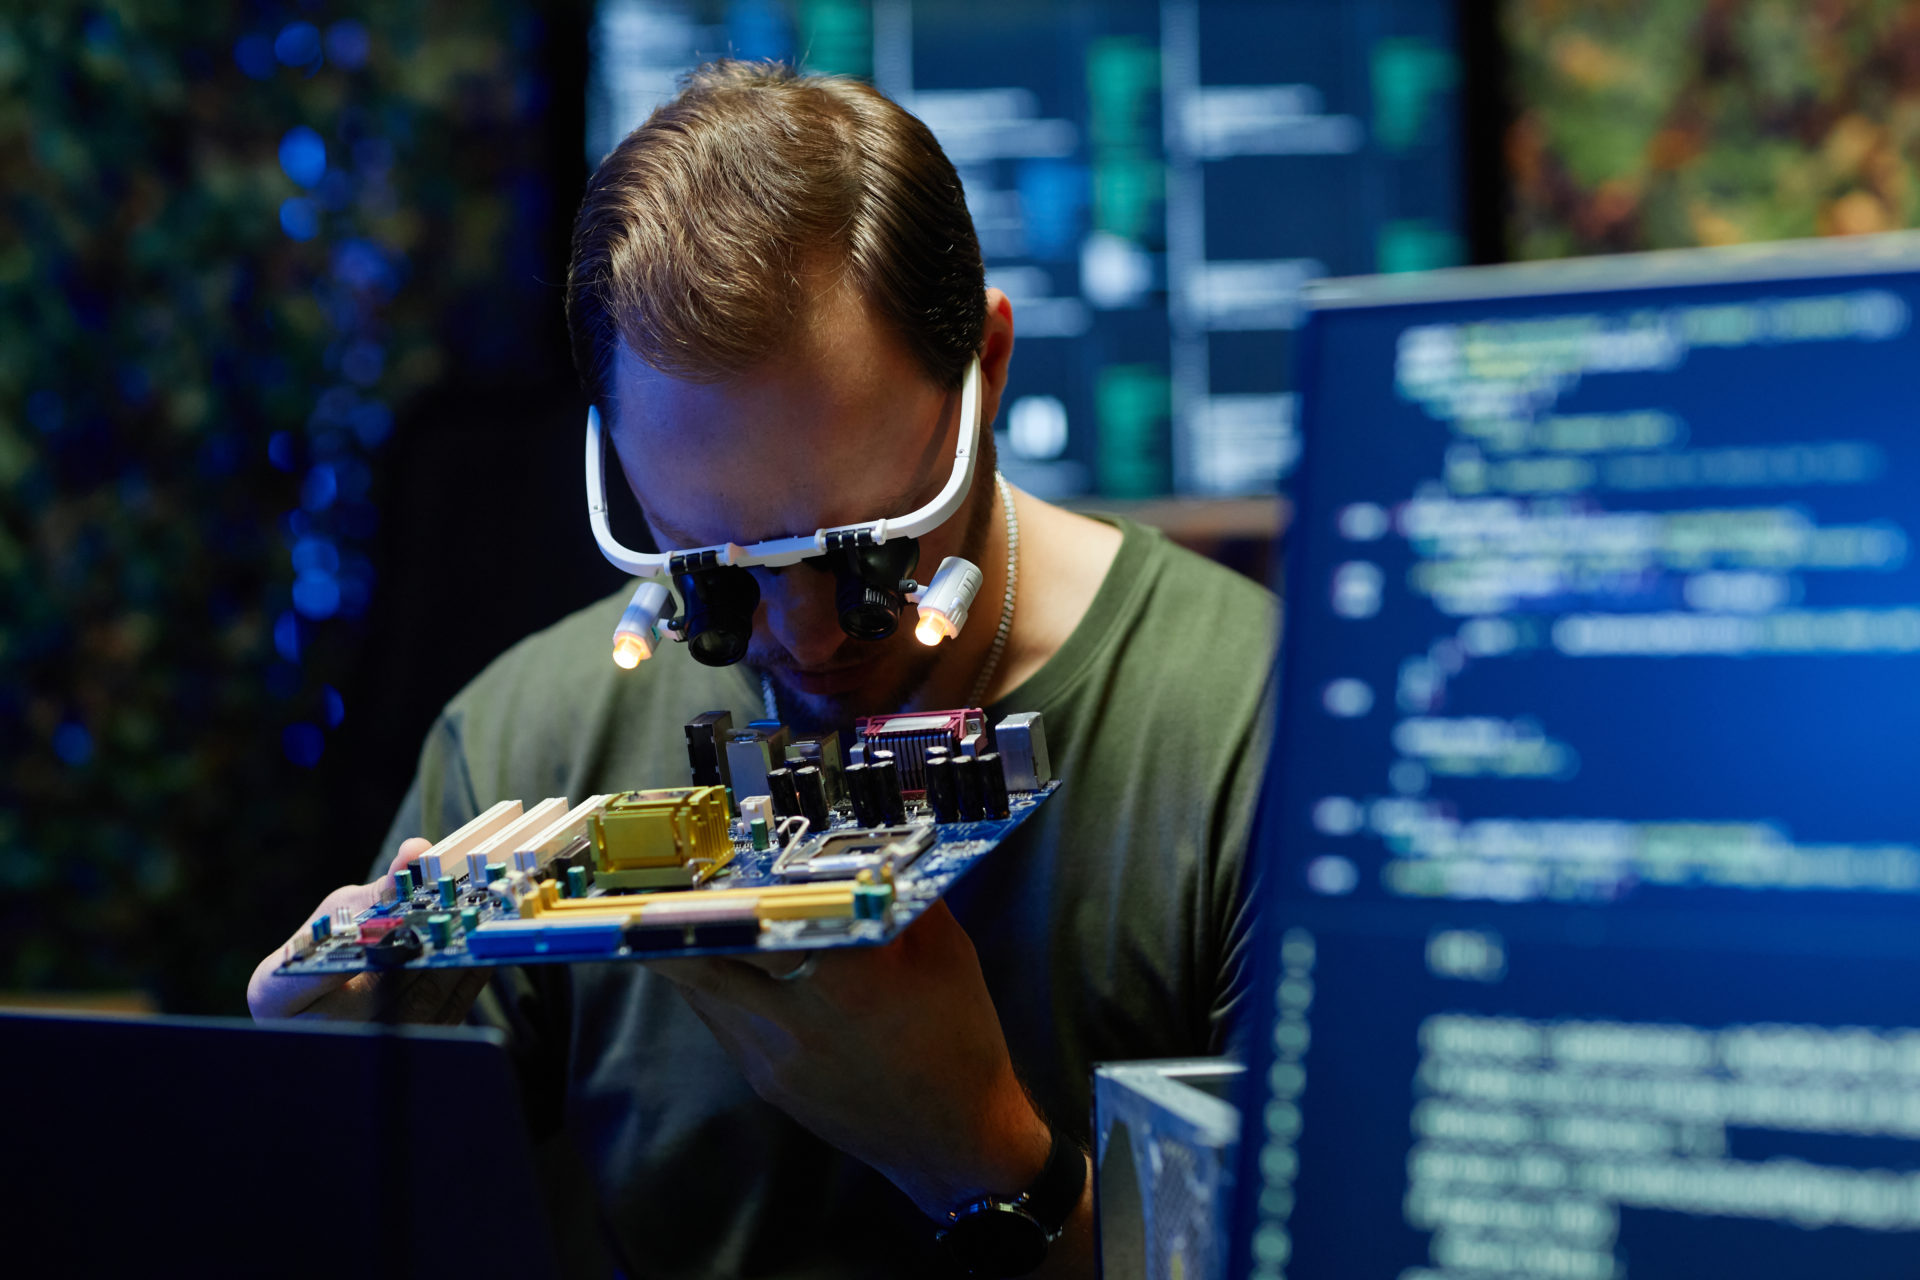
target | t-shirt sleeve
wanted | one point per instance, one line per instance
(441, 798)
(1235, 890)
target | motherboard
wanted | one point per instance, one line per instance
(777, 843)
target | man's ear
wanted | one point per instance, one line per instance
(996, 352)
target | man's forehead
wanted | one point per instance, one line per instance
(845, 378)
(781, 450)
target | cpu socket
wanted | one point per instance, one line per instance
(842, 855)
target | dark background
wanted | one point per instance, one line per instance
(187, 756)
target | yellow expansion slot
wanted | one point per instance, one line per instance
(773, 902)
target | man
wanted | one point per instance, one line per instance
(775, 292)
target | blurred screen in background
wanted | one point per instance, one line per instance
(1152, 183)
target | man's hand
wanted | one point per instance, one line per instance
(441, 995)
(892, 1054)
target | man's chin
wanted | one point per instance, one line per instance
(822, 704)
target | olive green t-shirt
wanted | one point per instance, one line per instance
(1113, 925)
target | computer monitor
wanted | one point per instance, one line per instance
(1152, 182)
(1590, 856)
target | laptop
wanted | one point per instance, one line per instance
(208, 1146)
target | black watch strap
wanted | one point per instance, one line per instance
(1053, 1195)
(1008, 1236)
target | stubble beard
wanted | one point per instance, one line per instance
(813, 713)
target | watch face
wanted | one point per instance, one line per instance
(996, 1239)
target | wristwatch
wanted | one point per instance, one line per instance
(1008, 1236)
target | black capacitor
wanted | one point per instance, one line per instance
(786, 795)
(859, 783)
(993, 785)
(942, 790)
(875, 790)
(707, 734)
(887, 794)
(399, 946)
(813, 796)
(932, 752)
(966, 787)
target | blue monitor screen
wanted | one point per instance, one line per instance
(1152, 181)
(1592, 871)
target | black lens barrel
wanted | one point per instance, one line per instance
(718, 622)
(867, 586)
(720, 600)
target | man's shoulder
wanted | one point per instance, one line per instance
(1218, 595)
(1190, 622)
(566, 663)
(1208, 636)
(554, 714)
(1176, 650)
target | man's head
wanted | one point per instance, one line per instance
(700, 233)
(775, 293)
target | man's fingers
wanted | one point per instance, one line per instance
(274, 995)
(777, 964)
(727, 980)
(409, 851)
(467, 990)
(440, 996)
(271, 995)
(437, 996)
(354, 897)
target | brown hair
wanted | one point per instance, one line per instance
(697, 231)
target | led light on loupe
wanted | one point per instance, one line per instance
(630, 650)
(639, 629)
(933, 628)
(944, 604)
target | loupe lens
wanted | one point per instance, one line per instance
(719, 620)
(720, 646)
(867, 613)
(867, 587)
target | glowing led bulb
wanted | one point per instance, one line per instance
(933, 628)
(944, 604)
(630, 650)
(639, 625)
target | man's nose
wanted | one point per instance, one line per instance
(798, 611)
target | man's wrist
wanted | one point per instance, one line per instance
(1004, 1236)
(1012, 1152)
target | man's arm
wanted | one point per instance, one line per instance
(894, 1055)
